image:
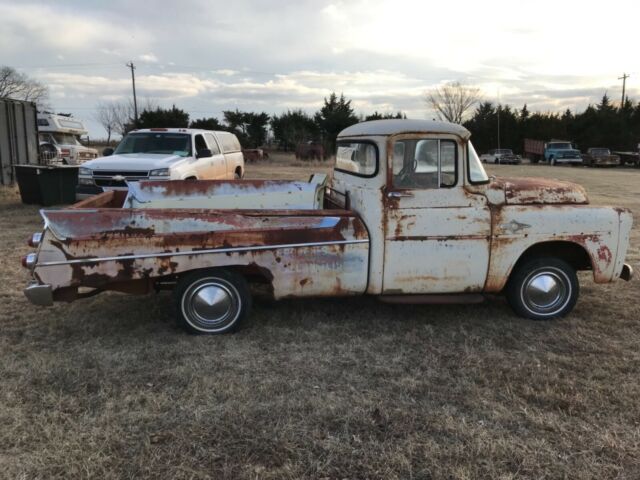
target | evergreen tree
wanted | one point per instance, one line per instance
(335, 115)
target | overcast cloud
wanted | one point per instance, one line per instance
(258, 55)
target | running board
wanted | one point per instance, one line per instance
(434, 299)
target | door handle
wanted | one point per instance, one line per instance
(399, 194)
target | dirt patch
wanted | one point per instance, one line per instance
(108, 387)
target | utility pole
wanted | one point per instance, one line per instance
(498, 112)
(624, 84)
(133, 82)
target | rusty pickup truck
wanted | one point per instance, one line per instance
(409, 215)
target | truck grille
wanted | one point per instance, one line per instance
(105, 178)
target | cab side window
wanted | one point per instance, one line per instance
(213, 145)
(424, 163)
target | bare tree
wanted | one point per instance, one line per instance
(19, 86)
(453, 100)
(107, 115)
(122, 114)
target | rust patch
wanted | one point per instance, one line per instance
(604, 254)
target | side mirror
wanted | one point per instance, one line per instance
(204, 153)
(107, 152)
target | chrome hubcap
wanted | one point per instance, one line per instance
(211, 304)
(546, 292)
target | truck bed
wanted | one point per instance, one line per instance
(102, 243)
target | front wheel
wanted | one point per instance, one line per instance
(543, 289)
(212, 301)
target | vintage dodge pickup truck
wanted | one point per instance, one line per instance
(410, 216)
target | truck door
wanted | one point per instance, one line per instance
(203, 160)
(218, 163)
(437, 235)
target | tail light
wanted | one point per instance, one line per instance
(35, 240)
(29, 260)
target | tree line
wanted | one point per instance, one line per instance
(289, 128)
(600, 125)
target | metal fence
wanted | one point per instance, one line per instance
(18, 137)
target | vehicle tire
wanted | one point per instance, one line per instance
(212, 301)
(543, 288)
(237, 175)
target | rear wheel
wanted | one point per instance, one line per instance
(543, 288)
(212, 301)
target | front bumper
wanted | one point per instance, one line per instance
(627, 272)
(39, 294)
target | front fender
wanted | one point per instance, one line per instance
(602, 232)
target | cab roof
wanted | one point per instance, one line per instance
(392, 127)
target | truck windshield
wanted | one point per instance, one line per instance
(65, 139)
(600, 151)
(560, 146)
(154, 142)
(504, 151)
(475, 170)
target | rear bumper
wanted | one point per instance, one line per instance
(627, 272)
(39, 294)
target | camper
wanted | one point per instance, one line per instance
(59, 137)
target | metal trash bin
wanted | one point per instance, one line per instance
(47, 184)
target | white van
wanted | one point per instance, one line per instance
(163, 154)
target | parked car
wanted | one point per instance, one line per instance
(59, 137)
(501, 155)
(600, 157)
(163, 154)
(385, 225)
(558, 152)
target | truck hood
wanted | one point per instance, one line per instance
(134, 161)
(529, 190)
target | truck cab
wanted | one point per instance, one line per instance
(558, 152)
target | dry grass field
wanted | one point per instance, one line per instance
(110, 388)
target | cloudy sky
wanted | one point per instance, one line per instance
(258, 55)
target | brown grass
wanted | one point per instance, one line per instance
(108, 387)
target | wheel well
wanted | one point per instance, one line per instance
(572, 253)
(259, 278)
(239, 170)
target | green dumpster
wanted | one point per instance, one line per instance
(47, 184)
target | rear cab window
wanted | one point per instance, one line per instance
(358, 158)
(213, 144)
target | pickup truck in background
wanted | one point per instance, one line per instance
(501, 155)
(559, 152)
(555, 152)
(163, 154)
(410, 216)
(600, 157)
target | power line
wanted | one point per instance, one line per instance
(68, 65)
